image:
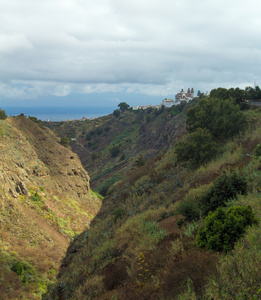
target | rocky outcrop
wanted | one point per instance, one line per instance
(34, 156)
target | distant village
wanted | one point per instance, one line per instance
(179, 97)
(167, 102)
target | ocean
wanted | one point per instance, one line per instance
(59, 113)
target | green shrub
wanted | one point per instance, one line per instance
(88, 136)
(197, 150)
(116, 112)
(223, 228)
(94, 156)
(258, 150)
(3, 115)
(65, 141)
(99, 131)
(119, 213)
(221, 117)
(180, 222)
(139, 162)
(225, 187)
(36, 197)
(115, 150)
(24, 271)
(189, 209)
(18, 268)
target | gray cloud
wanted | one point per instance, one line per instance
(152, 47)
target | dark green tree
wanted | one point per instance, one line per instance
(222, 118)
(225, 188)
(200, 95)
(197, 150)
(116, 112)
(219, 93)
(123, 106)
(3, 115)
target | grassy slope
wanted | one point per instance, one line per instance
(134, 133)
(135, 250)
(42, 206)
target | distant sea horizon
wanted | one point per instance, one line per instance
(57, 114)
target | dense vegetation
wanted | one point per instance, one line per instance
(151, 236)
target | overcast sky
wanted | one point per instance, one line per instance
(118, 50)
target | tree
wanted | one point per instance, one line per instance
(197, 150)
(200, 95)
(223, 227)
(219, 93)
(225, 188)
(3, 115)
(123, 106)
(222, 118)
(116, 112)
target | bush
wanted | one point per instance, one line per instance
(258, 150)
(116, 112)
(225, 187)
(223, 228)
(24, 270)
(197, 150)
(119, 213)
(3, 115)
(221, 117)
(139, 162)
(115, 150)
(189, 209)
(36, 197)
(94, 156)
(65, 141)
(180, 222)
(88, 136)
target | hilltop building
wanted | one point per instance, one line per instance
(142, 107)
(167, 102)
(183, 96)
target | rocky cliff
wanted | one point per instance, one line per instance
(45, 200)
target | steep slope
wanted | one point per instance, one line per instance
(140, 247)
(111, 145)
(45, 200)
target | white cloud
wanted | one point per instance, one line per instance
(58, 47)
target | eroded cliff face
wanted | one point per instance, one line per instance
(30, 155)
(45, 200)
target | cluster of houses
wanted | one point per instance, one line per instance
(179, 97)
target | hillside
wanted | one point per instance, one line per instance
(145, 242)
(109, 146)
(45, 201)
